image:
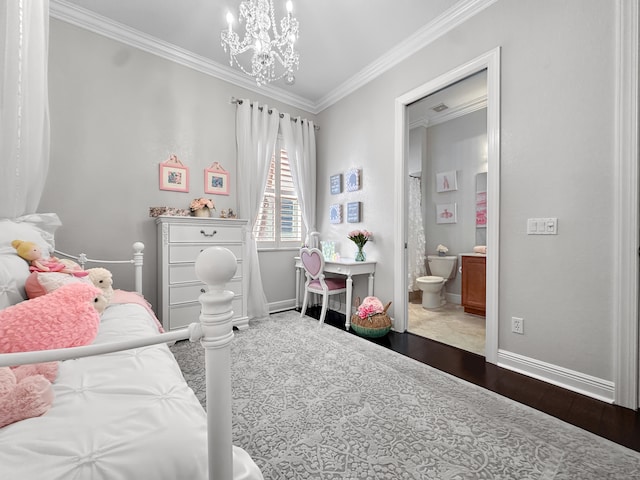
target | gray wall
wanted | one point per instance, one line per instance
(116, 113)
(557, 151)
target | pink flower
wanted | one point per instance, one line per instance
(359, 237)
(198, 203)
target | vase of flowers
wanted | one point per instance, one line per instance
(201, 207)
(360, 238)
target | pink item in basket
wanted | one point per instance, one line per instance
(370, 306)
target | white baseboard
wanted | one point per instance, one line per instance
(281, 306)
(454, 298)
(562, 377)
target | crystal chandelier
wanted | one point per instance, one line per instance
(272, 53)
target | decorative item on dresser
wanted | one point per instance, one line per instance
(180, 240)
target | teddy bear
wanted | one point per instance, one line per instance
(66, 317)
(31, 252)
(103, 279)
(26, 391)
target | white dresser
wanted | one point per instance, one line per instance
(180, 240)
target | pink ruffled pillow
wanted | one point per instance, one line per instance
(66, 317)
(370, 306)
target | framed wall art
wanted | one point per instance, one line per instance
(335, 213)
(446, 213)
(174, 175)
(447, 181)
(352, 180)
(335, 182)
(216, 180)
(353, 212)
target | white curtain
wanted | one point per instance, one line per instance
(24, 105)
(300, 144)
(416, 241)
(256, 134)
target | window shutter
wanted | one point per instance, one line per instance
(279, 220)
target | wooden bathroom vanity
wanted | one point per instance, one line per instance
(474, 283)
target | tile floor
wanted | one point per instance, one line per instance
(448, 324)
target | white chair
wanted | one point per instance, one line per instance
(313, 263)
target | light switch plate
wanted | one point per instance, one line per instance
(542, 226)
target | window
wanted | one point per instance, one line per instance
(279, 221)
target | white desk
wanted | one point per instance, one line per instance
(347, 267)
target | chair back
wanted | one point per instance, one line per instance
(312, 261)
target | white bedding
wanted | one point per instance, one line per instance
(124, 415)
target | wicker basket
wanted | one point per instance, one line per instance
(373, 326)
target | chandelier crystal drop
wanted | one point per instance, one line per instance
(264, 53)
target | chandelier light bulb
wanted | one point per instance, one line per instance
(289, 6)
(229, 18)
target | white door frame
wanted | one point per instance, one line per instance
(625, 314)
(490, 61)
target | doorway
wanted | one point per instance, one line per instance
(491, 63)
(447, 165)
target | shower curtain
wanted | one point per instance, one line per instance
(416, 241)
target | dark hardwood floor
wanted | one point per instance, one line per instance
(620, 425)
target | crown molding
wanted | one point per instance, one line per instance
(460, 111)
(80, 17)
(457, 15)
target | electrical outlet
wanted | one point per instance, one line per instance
(517, 325)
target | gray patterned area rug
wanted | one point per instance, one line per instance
(318, 403)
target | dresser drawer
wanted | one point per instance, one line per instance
(182, 315)
(186, 272)
(204, 234)
(187, 253)
(190, 292)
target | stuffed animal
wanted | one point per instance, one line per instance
(66, 317)
(32, 254)
(41, 283)
(25, 392)
(103, 279)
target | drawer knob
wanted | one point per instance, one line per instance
(202, 290)
(208, 234)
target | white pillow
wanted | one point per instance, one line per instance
(10, 292)
(38, 228)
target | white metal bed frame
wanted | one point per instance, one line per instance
(215, 266)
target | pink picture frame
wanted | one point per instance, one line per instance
(174, 176)
(216, 180)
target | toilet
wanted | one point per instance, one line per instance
(432, 286)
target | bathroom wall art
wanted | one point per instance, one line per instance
(446, 213)
(447, 181)
(481, 209)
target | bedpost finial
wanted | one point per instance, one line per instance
(216, 266)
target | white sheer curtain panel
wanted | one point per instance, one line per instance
(300, 143)
(416, 248)
(256, 134)
(24, 105)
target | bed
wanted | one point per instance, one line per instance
(122, 408)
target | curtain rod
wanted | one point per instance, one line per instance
(239, 101)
